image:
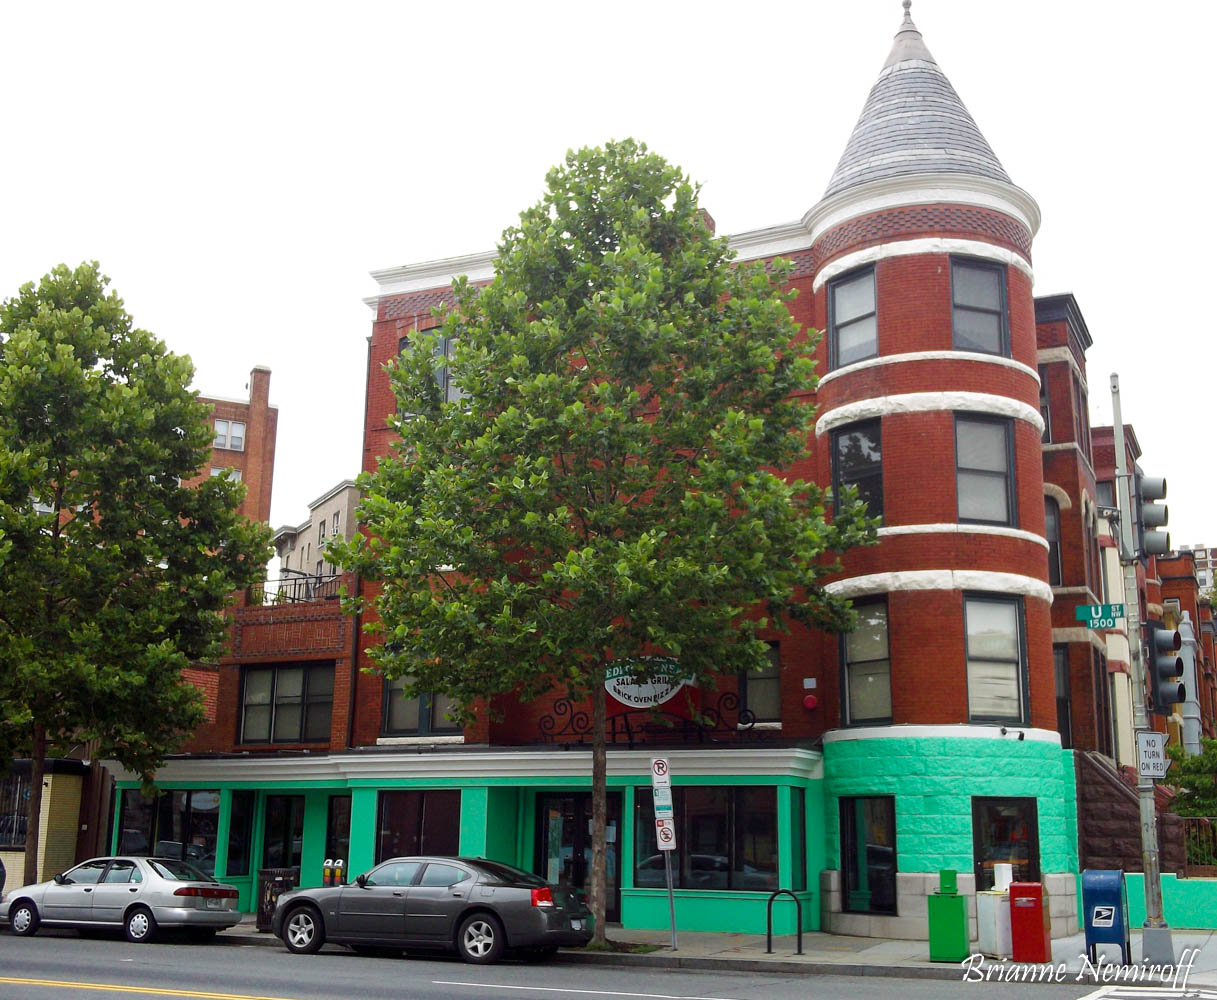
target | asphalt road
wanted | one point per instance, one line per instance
(59, 965)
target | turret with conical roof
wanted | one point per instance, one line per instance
(913, 123)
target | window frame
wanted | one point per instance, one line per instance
(1045, 408)
(1002, 311)
(1011, 492)
(1022, 685)
(1034, 858)
(844, 803)
(1055, 568)
(773, 672)
(426, 710)
(838, 484)
(15, 818)
(843, 658)
(225, 440)
(1064, 698)
(833, 328)
(306, 701)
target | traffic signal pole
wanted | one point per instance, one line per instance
(1156, 945)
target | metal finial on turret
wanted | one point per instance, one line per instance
(907, 4)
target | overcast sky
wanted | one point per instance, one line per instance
(239, 168)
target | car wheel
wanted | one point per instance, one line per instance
(480, 939)
(302, 931)
(23, 918)
(140, 925)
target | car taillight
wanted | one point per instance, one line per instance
(542, 897)
(206, 891)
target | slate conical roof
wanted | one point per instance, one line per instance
(913, 123)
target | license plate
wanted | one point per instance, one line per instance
(214, 904)
(576, 925)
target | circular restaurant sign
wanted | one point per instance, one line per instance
(661, 683)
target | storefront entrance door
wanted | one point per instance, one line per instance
(564, 843)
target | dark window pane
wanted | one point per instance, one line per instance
(283, 832)
(338, 829)
(135, 836)
(1052, 532)
(14, 810)
(754, 864)
(704, 854)
(1064, 711)
(868, 854)
(442, 875)
(240, 832)
(1005, 830)
(202, 824)
(441, 832)
(858, 462)
(798, 838)
(394, 873)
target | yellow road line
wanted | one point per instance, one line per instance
(147, 990)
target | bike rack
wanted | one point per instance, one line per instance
(798, 907)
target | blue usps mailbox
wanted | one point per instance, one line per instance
(1105, 906)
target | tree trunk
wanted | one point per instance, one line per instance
(37, 770)
(599, 812)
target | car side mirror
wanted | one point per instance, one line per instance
(61, 879)
(361, 881)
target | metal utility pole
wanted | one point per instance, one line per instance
(1156, 945)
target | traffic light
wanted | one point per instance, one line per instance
(1153, 516)
(1163, 669)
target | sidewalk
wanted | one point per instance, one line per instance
(825, 954)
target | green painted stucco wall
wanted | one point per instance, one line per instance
(1187, 903)
(933, 780)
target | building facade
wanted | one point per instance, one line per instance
(932, 735)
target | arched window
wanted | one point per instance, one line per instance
(1052, 532)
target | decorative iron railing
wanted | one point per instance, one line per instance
(1200, 846)
(300, 588)
(722, 722)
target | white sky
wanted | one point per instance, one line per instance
(239, 168)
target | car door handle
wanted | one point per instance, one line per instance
(458, 894)
(398, 892)
(133, 889)
(88, 890)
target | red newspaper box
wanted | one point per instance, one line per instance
(1030, 928)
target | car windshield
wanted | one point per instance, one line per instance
(507, 873)
(177, 871)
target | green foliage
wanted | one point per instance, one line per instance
(604, 489)
(113, 574)
(1195, 778)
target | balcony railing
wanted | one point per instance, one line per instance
(299, 588)
(1200, 846)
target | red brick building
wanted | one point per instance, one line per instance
(940, 734)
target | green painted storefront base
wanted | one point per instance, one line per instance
(1187, 903)
(729, 912)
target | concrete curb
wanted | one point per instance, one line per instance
(700, 963)
(809, 968)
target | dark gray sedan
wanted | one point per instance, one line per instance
(476, 907)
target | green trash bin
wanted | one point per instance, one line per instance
(948, 921)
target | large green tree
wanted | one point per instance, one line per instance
(114, 573)
(592, 481)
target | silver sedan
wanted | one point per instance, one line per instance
(140, 895)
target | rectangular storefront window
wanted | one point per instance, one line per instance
(798, 839)
(240, 833)
(726, 839)
(1005, 830)
(175, 824)
(14, 811)
(868, 854)
(338, 829)
(418, 822)
(283, 831)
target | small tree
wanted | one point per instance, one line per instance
(1195, 778)
(114, 572)
(602, 488)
